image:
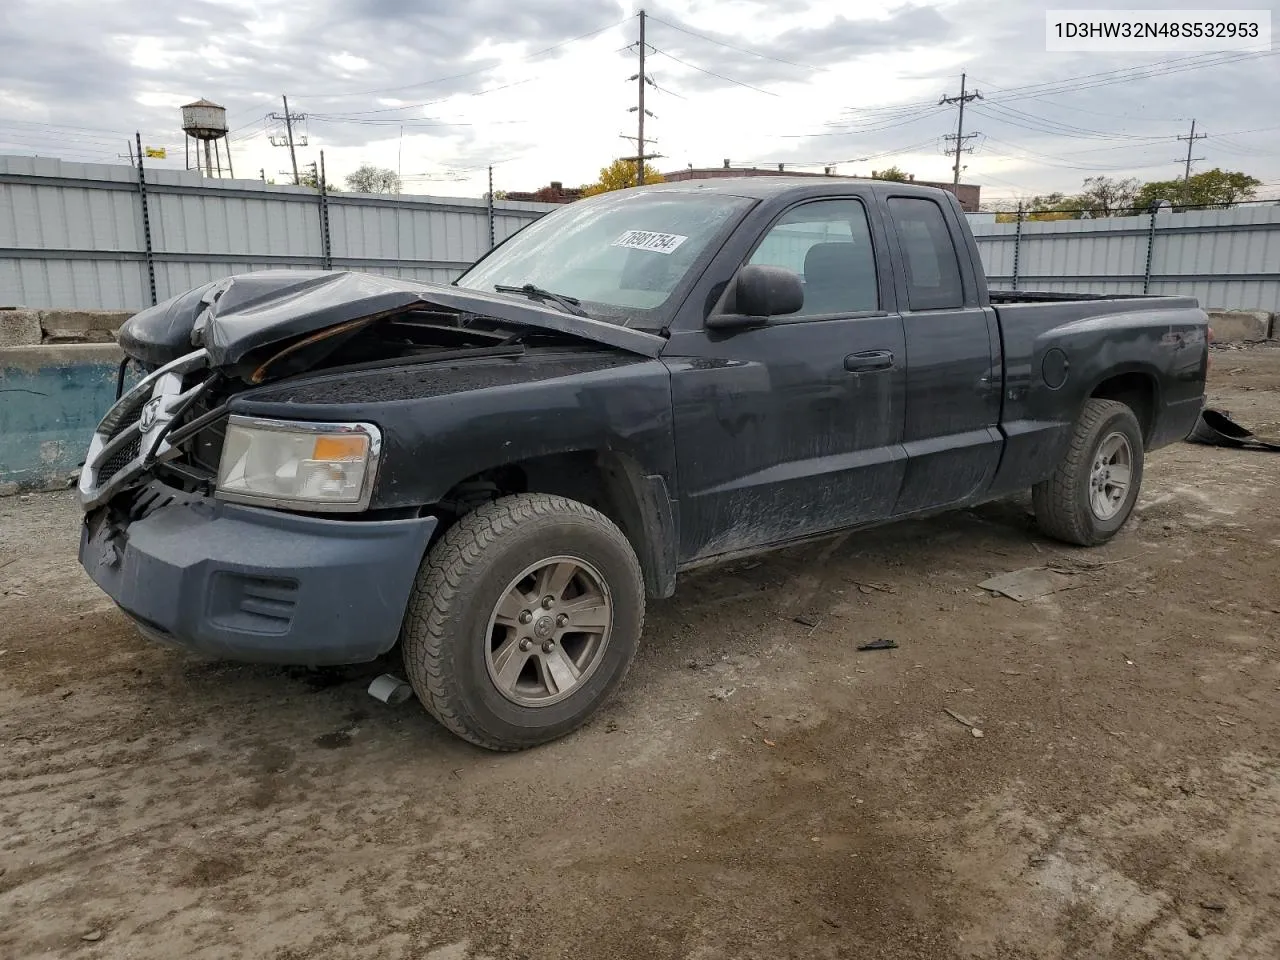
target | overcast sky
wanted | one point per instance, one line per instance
(440, 90)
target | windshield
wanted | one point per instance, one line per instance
(623, 255)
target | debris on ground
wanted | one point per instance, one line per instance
(93, 936)
(805, 619)
(884, 643)
(866, 586)
(974, 729)
(390, 689)
(723, 693)
(1029, 583)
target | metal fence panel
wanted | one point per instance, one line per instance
(71, 234)
(1227, 259)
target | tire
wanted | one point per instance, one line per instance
(1079, 503)
(464, 633)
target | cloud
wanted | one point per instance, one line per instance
(80, 76)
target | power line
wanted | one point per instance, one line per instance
(471, 73)
(711, 73)
(853, 131)
(1090, 81)
(995, 112)
(1047, 160)
(431, 103)
(730, 46)
(1096, 113)
(1062, 128)
(1127, 74)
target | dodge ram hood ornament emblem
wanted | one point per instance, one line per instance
(150, 413)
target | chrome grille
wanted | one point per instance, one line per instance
(120, 446)
(128, 420)
(121, 458)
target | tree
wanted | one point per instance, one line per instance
(1053, 206)
(370, 179)
(307, 178)
(1213, 188)
(1105, 197)
(896, 174)
(618, 176)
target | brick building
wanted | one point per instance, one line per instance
(554, 192)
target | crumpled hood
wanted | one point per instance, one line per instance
(238, 314)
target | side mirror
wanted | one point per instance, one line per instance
(760, 292)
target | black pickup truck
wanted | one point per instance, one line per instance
(495, 473)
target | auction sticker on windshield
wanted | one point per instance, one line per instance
(648, 240)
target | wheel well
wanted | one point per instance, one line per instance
(1137, 391)
(607, 481)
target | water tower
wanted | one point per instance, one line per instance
(206, 122)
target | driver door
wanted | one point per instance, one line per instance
(793, 428)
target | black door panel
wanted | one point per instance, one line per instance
(950, 429)
(794, 428)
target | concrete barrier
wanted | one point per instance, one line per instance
(81, 326)
(51, 398)
(21, 327)
(1240, 326)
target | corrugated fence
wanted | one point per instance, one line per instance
(74, 234)
(1227, 259)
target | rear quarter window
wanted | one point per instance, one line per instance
(928, 254)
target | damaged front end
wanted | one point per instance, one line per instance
(208, 345)
(137, 432)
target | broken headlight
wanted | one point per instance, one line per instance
(308, 466)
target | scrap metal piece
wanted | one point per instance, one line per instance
(882, 644)
(1029, 583)
(390, 689)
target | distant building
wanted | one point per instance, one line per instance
(554, 192)
(967, 193)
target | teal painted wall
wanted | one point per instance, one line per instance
(51, 398)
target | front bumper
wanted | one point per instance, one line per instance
(242, 583)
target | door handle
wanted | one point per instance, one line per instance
(869, 360)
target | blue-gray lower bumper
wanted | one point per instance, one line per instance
(243, 583)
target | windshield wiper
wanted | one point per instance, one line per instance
(569, 304)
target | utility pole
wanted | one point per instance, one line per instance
(1191, 141)
(287, 140)
(490, 205)
(960, 136)
(640, 82)
(639, 110)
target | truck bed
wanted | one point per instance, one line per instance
(1051, 296)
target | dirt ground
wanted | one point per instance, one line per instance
(759, 789)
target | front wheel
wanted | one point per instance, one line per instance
(524, 619)
(1093, 489)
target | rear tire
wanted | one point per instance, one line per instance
(524, 619)
(1092, 491)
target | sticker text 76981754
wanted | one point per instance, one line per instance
(648, 240)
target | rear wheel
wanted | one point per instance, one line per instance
(1092, 492)
(524, 619)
